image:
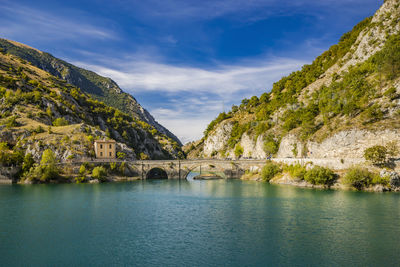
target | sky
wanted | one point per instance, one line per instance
(185, 60)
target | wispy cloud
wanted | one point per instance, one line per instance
(191, 96)
(241, 9)
(223, 79)
(17, 21)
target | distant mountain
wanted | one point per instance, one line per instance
(40, 111)
(347, 100)
(99, 87)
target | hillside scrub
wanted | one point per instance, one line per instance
(320, 176)
(358, 177)
(296, 171)
(99, 173)
(269, 171)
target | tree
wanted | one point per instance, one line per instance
(82, 170)
(271, 146)
(320, 175)
(358, 177)
(60, 122)
(376, 154)
(238, 150)
(28, 163)
(269, 171)
(99, 173)
(4, 153)
(48, 157)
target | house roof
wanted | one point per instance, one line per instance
(105, 141)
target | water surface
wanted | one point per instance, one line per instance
(196, 223)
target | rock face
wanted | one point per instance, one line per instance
(218, 140)
(345, 144)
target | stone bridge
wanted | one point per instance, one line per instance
(179, 169)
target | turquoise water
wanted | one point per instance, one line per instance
(196, 223)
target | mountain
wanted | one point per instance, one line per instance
(347, 100)
(40, 111)
(98, 87)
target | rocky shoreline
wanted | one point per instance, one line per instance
(286, 179)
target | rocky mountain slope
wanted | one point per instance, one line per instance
(40, 111)
(98, 87)
(347, 100)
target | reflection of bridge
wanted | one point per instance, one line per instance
(179, 169)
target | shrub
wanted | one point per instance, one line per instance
(392, 148)
(269, 171)
(238, 150)
(12, 122)
(296, 171)
(377, 179)
(271, 146)
(121, 155)
(99, 173)
(376, 154)
(113, 166)
(28, 163)
(358, 177)
(144, 156)
(82, 170)
(320, 176)
(60, 122)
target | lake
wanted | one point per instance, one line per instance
(196, 223)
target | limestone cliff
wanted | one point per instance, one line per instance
(347, 100)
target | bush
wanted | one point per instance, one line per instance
(121, 155)
(238, 151)
(99, 173)
(60, 122)
(296, 171)
(320, 176)
(12, 122)
(376, 154)
(358, 177)
(269, 171)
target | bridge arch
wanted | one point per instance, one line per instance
(204, 169)
(156, 173)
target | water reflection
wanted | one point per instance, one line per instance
(196, 222)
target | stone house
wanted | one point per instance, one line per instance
(105, 149)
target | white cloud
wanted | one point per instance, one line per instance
(21, 22)
(222, 80)
(194, 96)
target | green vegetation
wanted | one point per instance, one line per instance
(271, 145)
(238, 151)
(287, 90)
(320, 176)
(99, 173)
(269, 171)
(358, 177)
(296, 171)
(376, 154)
(47, 169)
(60, 122)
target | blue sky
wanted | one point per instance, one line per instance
(185, 61)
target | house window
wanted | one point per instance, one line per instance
(101, 146)
(110, 154)
(101, 154)
(110, 146)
